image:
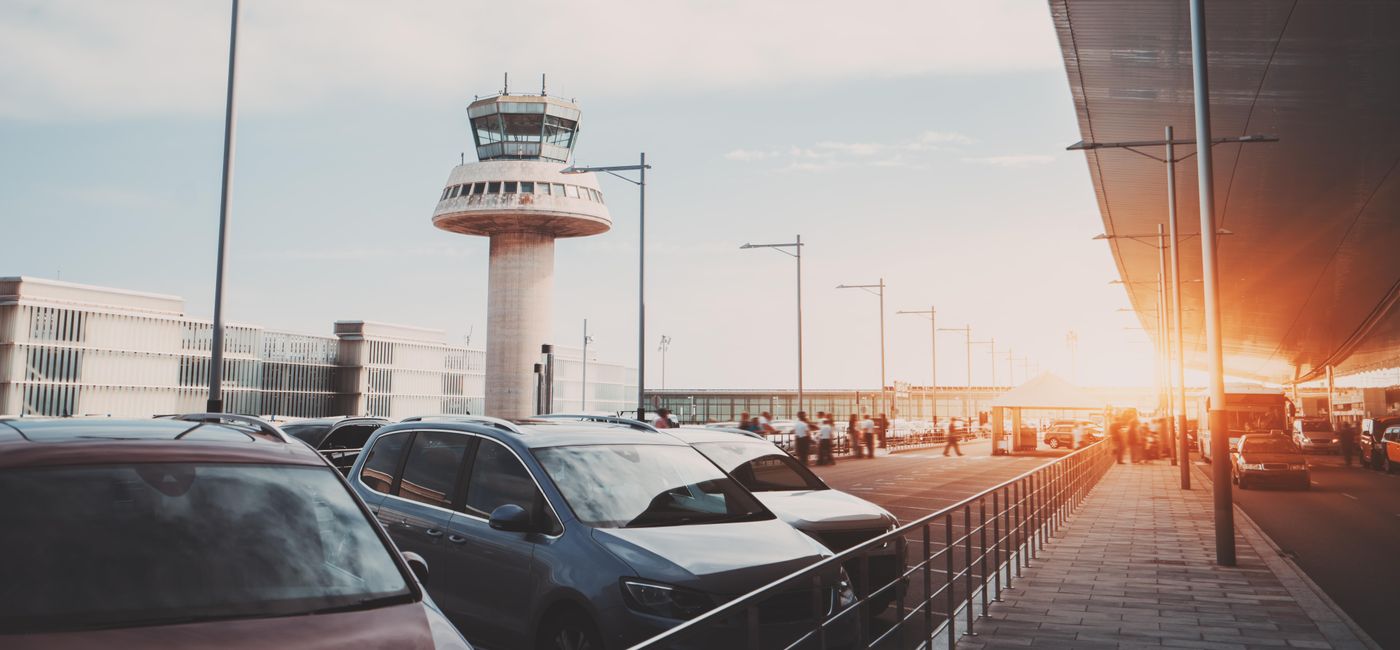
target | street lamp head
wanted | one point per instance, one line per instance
(571, 169)
(746, 247)
(1101, 236)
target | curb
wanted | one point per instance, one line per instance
(1338, 628)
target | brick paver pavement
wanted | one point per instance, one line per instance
(1133, 568)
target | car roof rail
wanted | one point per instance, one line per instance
(263, 426)
(499, 423)
(609, 419)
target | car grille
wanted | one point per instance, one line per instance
(841, 540)
(1275, 465)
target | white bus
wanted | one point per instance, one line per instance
(1248, 409)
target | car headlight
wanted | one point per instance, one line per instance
(1298, 466)
(665, 600)
(1334, 440)
(845, 592)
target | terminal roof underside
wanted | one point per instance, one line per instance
(1311, 275)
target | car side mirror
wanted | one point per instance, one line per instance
(511, 518)
(417, 565)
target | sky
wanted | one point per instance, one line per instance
(918, 143)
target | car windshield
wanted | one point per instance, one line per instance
(1255, 418)
(1270, 445)
(1317, 425)
(639, 485)
(151, 544)
(761, 467)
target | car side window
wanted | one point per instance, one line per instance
(352, 436)
(382, 462)
(498, 478)
(434, 462)
(1393, 434)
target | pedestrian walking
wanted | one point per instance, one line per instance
(802, 437)
(1346, 439)
(853, 435)
(1115, 437)
(765, 424)
(745, 423)
(663, 419)
(951, 442)
(882, 428)
(826, 435)
(1134, 442)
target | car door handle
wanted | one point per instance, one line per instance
(433, 532)
(456, 539)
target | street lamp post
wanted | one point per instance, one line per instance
(879, 290)
(796, 247)
(641, 168)
(967, 332)
(663, 349)
(583, 395)
(216, 349)
(932, 315)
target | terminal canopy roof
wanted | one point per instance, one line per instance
(1047, 391)
(1311, 275)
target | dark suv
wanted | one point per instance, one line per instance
(558, 534)
(338, 439)
(216, 531)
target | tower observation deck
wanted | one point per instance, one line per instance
(516, 195)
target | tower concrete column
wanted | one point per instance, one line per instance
(518, 319)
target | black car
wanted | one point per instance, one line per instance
(1268, 458)
(338, 439)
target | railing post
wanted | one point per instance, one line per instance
(1019, 539)
(949, 611)
(928, 586)
(982, 535)
(996, 540)
(967, 563)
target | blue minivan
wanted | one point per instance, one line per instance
(574, 535)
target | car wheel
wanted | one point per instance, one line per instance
(569, 631)
(1244, 483)
(1054, 443)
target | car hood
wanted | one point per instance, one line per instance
(724, 559)
(825, 510)
(1255, 459)
(1321, 436)
(411, 625)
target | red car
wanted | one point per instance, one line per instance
(213, 531)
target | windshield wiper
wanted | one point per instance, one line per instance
(366, 603)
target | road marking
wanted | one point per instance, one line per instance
(1350, 497)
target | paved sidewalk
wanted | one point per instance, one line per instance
(1133, 569)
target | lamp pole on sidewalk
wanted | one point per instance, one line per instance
(879, 290)
(967, 332)
(1215, 354)
(216, 349)
(932, 315)
(796, 253)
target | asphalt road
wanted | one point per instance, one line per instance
(914, 483)
(1345, 534)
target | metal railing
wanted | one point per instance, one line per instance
(949, 568)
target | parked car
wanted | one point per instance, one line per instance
(1267, 458)
(1315, 435)
(338, 439)
(836, 519)
(564, 534)
(1372, 443)
(211, 530)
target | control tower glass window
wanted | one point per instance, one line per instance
(559, 131)
(488, 130)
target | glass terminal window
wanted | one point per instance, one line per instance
(494, 187)
(479, 188)
(543, 188)
(511, 187)
(558, 189)
(527, 187)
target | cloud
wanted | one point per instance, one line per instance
(1013, 160)
(831, 155)
(78, 59)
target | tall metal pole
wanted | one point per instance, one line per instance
(1164, 350)
(583, 395)
(216, 350)
(933, 360)
(1184, 452)
(800, 396)
(642, 294)
(884, 397)
(1215, 355)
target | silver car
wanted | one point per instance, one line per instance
(799, 497)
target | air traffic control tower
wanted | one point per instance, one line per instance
(516, 195)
